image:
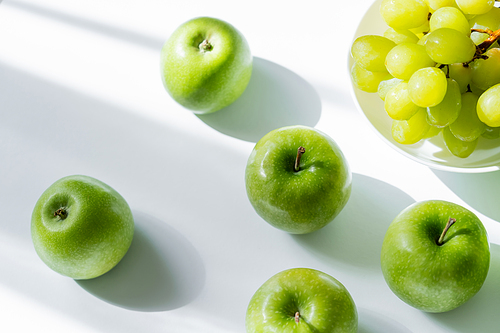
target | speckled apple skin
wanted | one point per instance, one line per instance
(429, 277)
(324, 304)
(95, 235)
(304, 201)
(205, 82)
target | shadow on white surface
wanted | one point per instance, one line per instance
(481, 312)
(479, 190)
(48, 131)
(355, 237)
(340, 98)
(372, 322)
(161, 270)
(275, 97)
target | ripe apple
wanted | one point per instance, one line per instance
(81, 227)
(205, 64)
(297, 179)
(435, 255)
(301, 300)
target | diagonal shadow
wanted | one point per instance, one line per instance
(478, 190)
(161, 271)
(275, 97)
(373, 322)
(48, 130)
(355, 237)
(123, 34)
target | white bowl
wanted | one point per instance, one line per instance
(431, 152)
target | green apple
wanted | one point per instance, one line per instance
(297, 179)
(435, 255)
(302, 300)
(81, 227)
(205, 64)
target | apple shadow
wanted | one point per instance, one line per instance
(355, 237)
(373, 322)
(479, 190)
(275, 97)
(480, 313)
(161, 271)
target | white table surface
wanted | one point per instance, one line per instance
(80, 93)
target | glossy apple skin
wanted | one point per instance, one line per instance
(95, 235)
(427, 276)
(205, 82)
(323, 303)
(304, 201)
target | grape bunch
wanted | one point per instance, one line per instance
(437, 69)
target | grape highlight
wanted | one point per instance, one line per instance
(437, 69)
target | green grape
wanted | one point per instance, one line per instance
(486, 73)
(436, 4)
(449, 17)
(398, 104)
(422, 40)
(366, 80)
(370, 51)
(495, 45)
(432, 132)
(478, 37)
(412, 130)
(490, 20)
(491, 133)
(469, 16)
(421, 30)
(449, 46)
(475, 7)
(456, 146)
(462, 74)
(468, 127)
(448, 110)
(399, 36)
(488, 106)
(404, 14)
(387, 84)
(427, 86)
(475, 90)
(406, 58)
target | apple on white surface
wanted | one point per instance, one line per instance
(302, 300)
(435, 255)
(81, 227)
(297, 179)
(205, 64)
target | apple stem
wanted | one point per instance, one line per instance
(451, 221)
(205, 46)
(297, 317)
(62, 213)
(300, 151)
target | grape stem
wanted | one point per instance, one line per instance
(483, 47)
(483, 31)
(494, 36)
